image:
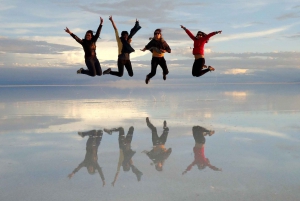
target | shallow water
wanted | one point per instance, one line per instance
(252, 136)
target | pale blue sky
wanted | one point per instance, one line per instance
(264, 33)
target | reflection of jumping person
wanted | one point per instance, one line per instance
(199, 157)
(159, 153)
(126, 153)
(124, 49)
(198, 51)
(91, 157)
(158, 46)
(89, 47)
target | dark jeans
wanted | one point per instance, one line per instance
(123, 140)
(155, 139)
(198, 133)
(198, 67)
(121, 64)
(94, 67)
(154, 63)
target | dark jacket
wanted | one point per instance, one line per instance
(89, 46)
(160, 44)
(126, 46)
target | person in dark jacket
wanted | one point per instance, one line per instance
(89, 47)
(159, 152)
(124, 50)
(158, 46)
(91, 157)
(199, 67)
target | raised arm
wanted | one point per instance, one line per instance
(98, 30)
(212, 34)
(112, 22)
(188, 32)
(73, 35)
(134, 29)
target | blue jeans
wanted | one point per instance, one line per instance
(94, 67)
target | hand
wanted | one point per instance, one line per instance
(143, 49)
(163, 51)
(67, 30)
(136, 20)
(182, 27)
(219, 32)
(71, 175)
(110, 18)
(101, 20)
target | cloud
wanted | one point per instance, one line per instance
(288, 16)
(3, 8)
(32, 47)
(294, 36)
(236, 71)
(244, 25)
(250, 35)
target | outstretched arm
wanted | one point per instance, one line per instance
(112, 22)
(213, 167)
(98, 30)
(73, 35)
(213, 33)
(76, 170)
(188, 32)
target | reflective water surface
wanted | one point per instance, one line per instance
(184, 142)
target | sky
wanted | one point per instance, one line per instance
(256, 35)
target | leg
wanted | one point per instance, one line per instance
(98, 67)
(120, 71)
(163, 65)
(91, 68)
(129, 68)
(154, 63)
(121, 138)
(129, 135)
(198, 67)
(164, 135)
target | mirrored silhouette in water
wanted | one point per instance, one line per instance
(199, 155)
(126, 153)
(159, 152)
(91, 157)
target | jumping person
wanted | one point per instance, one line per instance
(91, 157)
(126, 153)
(158, 46)
(199, 157)
(199, 67)
(124, 49)
(159, 153)
(89, 47)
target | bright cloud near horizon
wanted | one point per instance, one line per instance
(32, 32)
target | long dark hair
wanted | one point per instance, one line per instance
(89, 31)
(203, 35)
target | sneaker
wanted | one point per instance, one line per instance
(211, 68)
(107, 71)
(79, 71)
(107, 131)
(81, 134)
(147, 79)
(164, 76)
